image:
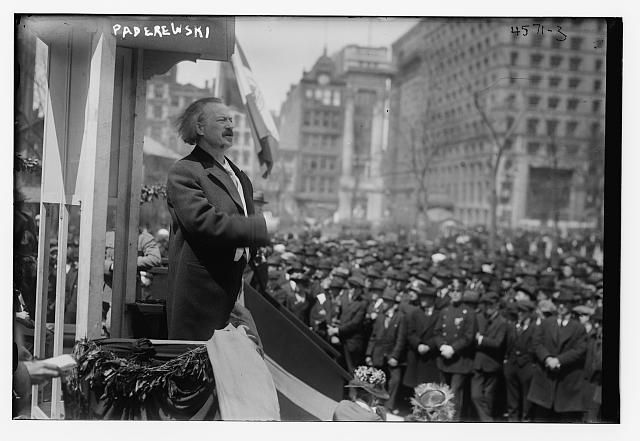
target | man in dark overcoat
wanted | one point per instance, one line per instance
(387, 342)
(487, 364)
(350, 327)
(421, 350)
(213, 225)
(560, 344)
(519, 359)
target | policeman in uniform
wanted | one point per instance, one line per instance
(455, 331)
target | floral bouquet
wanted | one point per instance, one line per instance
(370, 379)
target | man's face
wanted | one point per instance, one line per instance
(216, 126)
(456, 296)
(490, 309)
(563, 309)
(386, 305)
(583, 318)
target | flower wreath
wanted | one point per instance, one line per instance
(433, 402)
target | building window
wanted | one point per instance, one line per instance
(306, 118)
(572, 150)
(535, 80)
(534, 100)
(555, 43)
(552, 102)
(318, 94)
(536, 59)
(598, 64)
(552, 125)
(247, 138)
(574, 63)
(574, 83)
(597, 84)
(309, 94)
(326, 97)
(533, 148)
(336, 98)
(595, 106)
(158, 91)
(532, 126)
(571, 127)
(157, 112)
(175, 101)
(595, 129)
(572, 103)
(554, 81)
(576, 43)
(555, 61)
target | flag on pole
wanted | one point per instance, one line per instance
(262, 125)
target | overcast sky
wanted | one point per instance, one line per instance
(280, 48)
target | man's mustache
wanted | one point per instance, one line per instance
(227, 133)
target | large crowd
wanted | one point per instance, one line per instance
(516, 333)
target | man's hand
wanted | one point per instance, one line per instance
(368, 361)
(335, 340)
(332, 330)
(552, 363)
(479, 338)
(423, 349)
(272, 223)
(446, 351)
(392, 362)
(41, 372)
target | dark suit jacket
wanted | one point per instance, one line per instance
(207, 225)
(490, 353)
(520, 350)
(456, 326)
(386, 343)
(559, 390)
(351, 329)
(421, 330)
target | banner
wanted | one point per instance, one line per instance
(262, 125)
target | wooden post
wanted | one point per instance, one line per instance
(93, 174)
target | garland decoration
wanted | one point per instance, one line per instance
(129, 381)
(432, 402)
(150, 192)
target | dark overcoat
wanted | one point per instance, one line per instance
(207, 225)
(456, 327)
(421, 368)
(490, 352)
(351, 329)
(560, 390)
(389, 342)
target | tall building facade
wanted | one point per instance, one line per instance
(332, 129)
(366, 72)
(545, 80)
(311, 128)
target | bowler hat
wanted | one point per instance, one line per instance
(525, 305)
(389, 294)
(489, 297)
(565, 296)
(356, 280)
(470, 296)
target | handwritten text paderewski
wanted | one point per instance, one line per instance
(160, 31)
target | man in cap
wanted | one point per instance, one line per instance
(518, 364)
(421, 350)
(560, 345)
(487, 364)
(583, 314)
(455, 331)
(593, 370)
(387, 342)
(350, 329)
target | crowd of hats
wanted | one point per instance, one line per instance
(392, 267)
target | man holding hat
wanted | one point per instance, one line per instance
(487, 364)
(560, 344)
(518, 364)
(386, 345)
(350, 330)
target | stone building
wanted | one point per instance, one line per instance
(547, 78)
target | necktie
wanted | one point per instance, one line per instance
(236, 181)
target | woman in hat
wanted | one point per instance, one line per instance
(367, 391)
